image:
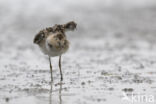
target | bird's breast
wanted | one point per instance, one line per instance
(56, 46)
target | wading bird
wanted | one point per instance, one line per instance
(53, 42)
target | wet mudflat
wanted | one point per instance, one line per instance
(112, 53)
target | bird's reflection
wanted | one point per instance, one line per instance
(51, 92)
(60, 92)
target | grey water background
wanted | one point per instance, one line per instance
(112, 52)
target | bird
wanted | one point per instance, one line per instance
(53, 42)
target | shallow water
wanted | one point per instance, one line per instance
(112, 53)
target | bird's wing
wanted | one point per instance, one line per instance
(40, 36)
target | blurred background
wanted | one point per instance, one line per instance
(112, 49)
(21, 20)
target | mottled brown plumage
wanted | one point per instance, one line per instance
(70, 26)
(53, 42)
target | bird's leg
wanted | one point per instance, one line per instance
(51, 70)
(60, 68)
